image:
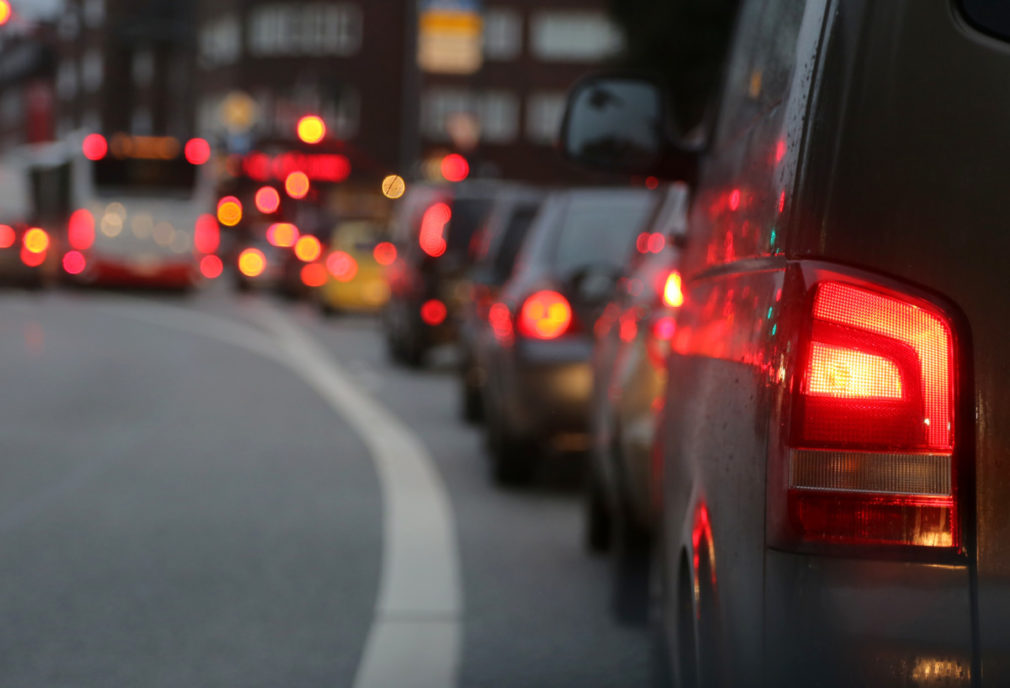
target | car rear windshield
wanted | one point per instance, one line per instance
(599, 229)
(467, 215)
(512, 239)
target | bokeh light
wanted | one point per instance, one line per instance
(229, 211)
(455, 167)
(393, 186)
(308, 248)
(211, 266)
(268, 200)
(384, 253)
(74, 262)
(252, 262)
(7, 236)
(282, 234)
(36, 240)
(311, 129)
(297, 185)
(313, 275)
(197, 151)
(94, 147)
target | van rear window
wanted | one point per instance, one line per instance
(992, 16)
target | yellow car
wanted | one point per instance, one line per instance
(355, 265)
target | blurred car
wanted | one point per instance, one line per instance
(495, 249)
(835, 428)
(259, 264)
(629, 378)
(538, 375)
(432, 231)
(355, 263)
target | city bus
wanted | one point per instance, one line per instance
(136, 210)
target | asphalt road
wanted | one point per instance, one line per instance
(233, 491)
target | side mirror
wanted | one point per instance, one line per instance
(621, 124)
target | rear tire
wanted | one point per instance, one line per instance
(632, 560)
(511, 459)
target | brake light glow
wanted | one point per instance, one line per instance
(211, 266)
(229, 211)
(432, 234)
(252, 262)
(500, 319)
(206, 234)
(7, 236)
(36, 240)
(313, 275)
(197, 151)
(282, 234)
(342, 266)
(384, 253)
(74, 262)
(545, 315)
(81, 230)
(673, 292)
(433, 312)
(94, 147)
(308, 248)
(871, 448)
(32, 260)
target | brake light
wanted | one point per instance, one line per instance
(313, 275)
(74, 262)
(384, 253)
(545, 315)
(206, 234)
(673, 290)
(500, 319)
(871, 447)
(94, 147)
(211, 266)
(342, 266)
(81, 230)
(7, 236)
(432, 234)
(433, 312)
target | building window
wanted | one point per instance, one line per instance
(66, 79)
(573, 36)
(496, 113)
(141, 123)
(305, 29)
(544, 112)
(92, 70)
(221, 41)
(503, 34)
(142, 67)
(94, 12)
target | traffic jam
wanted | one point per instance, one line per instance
(702, 388)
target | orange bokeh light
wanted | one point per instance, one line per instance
(297, 185)
(252, 262)
(384, 253)
(282, 234)
(229, 211)
(308, 248)
(36, 240)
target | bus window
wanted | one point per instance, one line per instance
(118, 175)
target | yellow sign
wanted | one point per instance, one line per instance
(450, 41)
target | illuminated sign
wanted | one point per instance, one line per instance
(450, 36)
(319, 167)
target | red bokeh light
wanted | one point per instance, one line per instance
(384, 253)
(342, 266)
(74, 262)
(433, 312)
(7, 236)
(313, 275)
(432, 234)
(94, 147)
(81, 230)
(197, 151)
(455, 167)
(211, 267)
(206, 234)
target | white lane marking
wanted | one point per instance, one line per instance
(416, 634)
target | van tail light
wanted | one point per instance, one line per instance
(81, 229)
(545, 314)
(870, 457)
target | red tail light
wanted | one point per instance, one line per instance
(206, 234)
(81, 230)
(545, 315)
(74, 262)
(871, 448)
(433, 312)
(384, 253)
(7, 236)
(432, 234)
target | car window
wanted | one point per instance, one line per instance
(599, 229)
(512, 237)
(467, 215)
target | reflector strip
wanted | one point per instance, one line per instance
(912, 474)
